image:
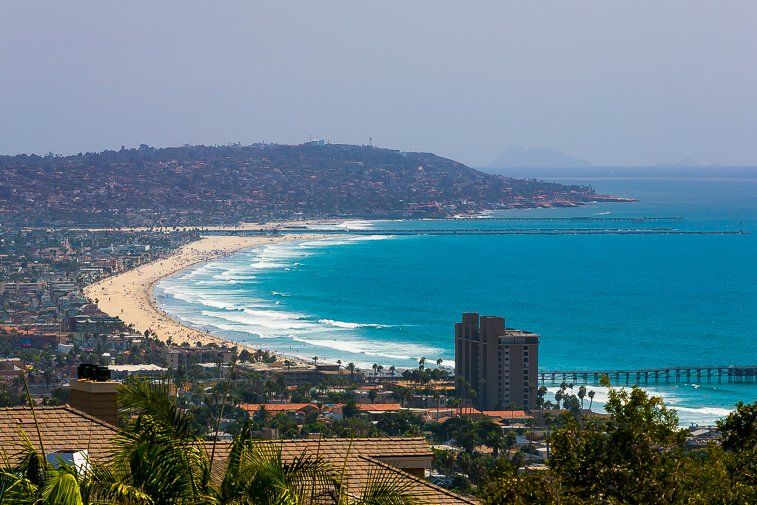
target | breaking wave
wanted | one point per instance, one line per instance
(343, 324)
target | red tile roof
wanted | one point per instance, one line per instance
(276, 407)
(383, 447)
(507, 414)
(379, 407)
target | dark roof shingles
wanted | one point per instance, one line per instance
(67, 428)
(62, 428)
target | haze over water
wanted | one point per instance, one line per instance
(598, 301)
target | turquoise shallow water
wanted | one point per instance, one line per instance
(597, 300)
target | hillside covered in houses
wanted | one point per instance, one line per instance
(199, 185)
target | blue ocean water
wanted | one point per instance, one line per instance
(598, 301)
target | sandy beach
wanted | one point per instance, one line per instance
(128, 295)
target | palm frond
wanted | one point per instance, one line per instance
(162, 469)
(231, 488)
(384, 487)
(122, 494)
(145, 398)
(32, 464)
(106, 484)
(62, 488)
(265, 478)
(160, 452)
(16, 489)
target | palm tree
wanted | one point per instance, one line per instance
(402, 395)
(581, 394)
(472, 394)
(47, 377)
(439, 362)
(465, 390)
(591, 398)
(351, 368)
(549, 420)
(257, 473)
(540, 399)
(437, 398)
(559, 396)
(422, 363)
(315, 360)
(392, 370)
(490, 434)
(269, 387)
(455, 403)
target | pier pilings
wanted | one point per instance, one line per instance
(667, 375)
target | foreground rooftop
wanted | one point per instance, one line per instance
(65, 428)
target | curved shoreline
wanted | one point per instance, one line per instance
(128, 295)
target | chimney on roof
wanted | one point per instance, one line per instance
(265, 434)
(94, 393)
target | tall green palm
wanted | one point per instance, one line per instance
(540, 392)
(258, 474)
(581, 395)
(160, 452)
(559, 395)
(422, 363)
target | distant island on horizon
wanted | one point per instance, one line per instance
(537, 157)
(517, 157)
(204, 185)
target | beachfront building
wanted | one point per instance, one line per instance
(298, 373)
(177, 356)
(495, 366)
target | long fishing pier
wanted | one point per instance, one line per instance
(588, 219)
(668, 375)
(470, 231)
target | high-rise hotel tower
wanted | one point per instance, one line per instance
(500, 364)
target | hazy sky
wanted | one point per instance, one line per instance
(632, 82)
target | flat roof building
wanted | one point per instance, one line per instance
(496, 367)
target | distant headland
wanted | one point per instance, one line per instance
(207, 185)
